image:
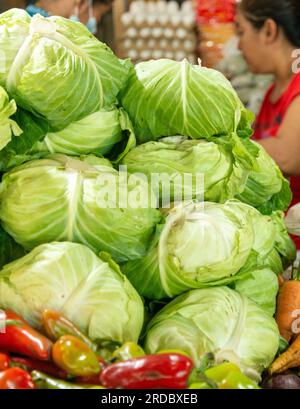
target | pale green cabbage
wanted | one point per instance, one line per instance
(71, 279)
(206, 244)
(60, 198)
(199, 245)
(218, 320)
(97, 134)
(56, 68)
(166, 98)
(190, 169)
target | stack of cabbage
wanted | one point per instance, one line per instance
(76, 214)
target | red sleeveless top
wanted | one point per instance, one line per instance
(269, 120)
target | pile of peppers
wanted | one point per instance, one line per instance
(64, 358)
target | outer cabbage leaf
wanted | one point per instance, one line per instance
(60, 198)
(284, 245)
(274, 262)
(266, 188)
(261, 286)
(263, 228)
(56, 68)
(71, 279)
(8, 127)
(218, 320)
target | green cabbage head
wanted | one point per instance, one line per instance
(190, 169)
(217, 320)
(71, 279)
(95, 134)
(56, 68)
(199, 245)
(166, 98)
(60, 198)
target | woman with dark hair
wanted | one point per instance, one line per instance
(269, 36)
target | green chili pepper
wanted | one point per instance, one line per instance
(200, 385)
(237, 380)
(218, 373)
(173, 351)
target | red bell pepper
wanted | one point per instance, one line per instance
(20, 338)
(165, 371)
(4, 361)
(16, 378)
(48, 368)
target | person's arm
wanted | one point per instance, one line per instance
(285, 148)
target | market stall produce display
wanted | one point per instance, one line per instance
(106, 279)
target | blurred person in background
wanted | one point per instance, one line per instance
(269, 34)
(9, 4)
(88, 12)
(48, 8)
(91, 12)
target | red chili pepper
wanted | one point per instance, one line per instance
(20, 338)
(16, 378)
(56, 326)
(48, 368)
(4, 361)
(165, 371)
